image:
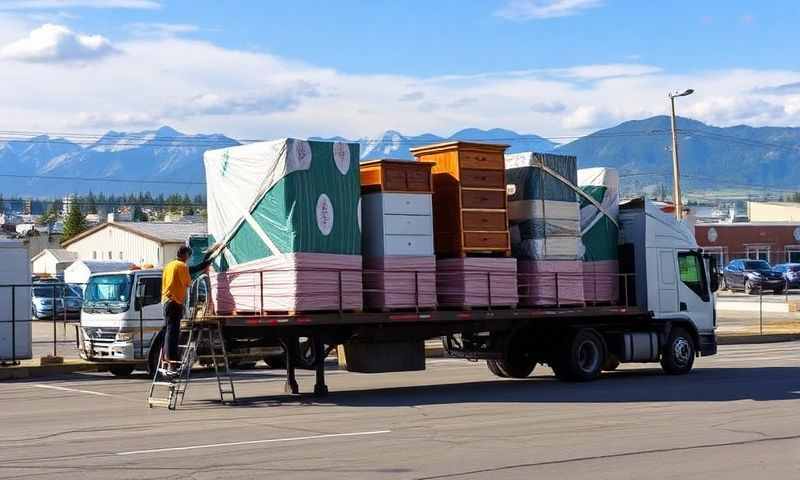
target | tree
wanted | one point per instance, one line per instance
(91, 203)
(74, 224)
(52, 214)
(138, 214)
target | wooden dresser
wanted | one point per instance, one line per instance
(469, 198)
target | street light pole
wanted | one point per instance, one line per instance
(676, 166)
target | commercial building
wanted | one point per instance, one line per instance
(139, 242)
(775, 242)
(773, 211)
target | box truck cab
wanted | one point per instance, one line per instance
(122, 322)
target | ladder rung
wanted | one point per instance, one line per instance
(158, 401)
(164, 383)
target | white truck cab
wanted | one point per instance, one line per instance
(121, 317)
(674, 279)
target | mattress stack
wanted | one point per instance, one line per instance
(471, 236)
(397, 235)
(544, 219)
(600, 234)
(287, 212)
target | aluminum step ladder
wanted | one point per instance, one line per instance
(169, 390)
(198, 333)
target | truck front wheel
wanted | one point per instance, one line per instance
(121, 370)
(580, 357)
(677, 356)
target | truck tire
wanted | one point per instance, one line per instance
(580, 357)
(495, 369)
(121, 370)
(677, 356)
(154, 354)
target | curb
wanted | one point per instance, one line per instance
(32, 371)
(756, 338)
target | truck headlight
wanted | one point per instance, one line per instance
(124, 337)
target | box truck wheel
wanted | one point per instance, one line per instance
(154, 353)
(495, 369)
(580, 357)
(121, 370)
(677, 356)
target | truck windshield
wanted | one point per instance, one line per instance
(108, 292)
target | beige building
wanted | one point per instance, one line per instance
(52, 261)
(137, 242)
(773, 211)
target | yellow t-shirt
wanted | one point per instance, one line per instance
(175, 281)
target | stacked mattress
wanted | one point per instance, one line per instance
(599, 234)
(544, 219)
(397, 235)
(287, 212)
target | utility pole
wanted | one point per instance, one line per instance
(676, 166)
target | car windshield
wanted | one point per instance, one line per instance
(756, 265)
(57, 291)
(108, 289)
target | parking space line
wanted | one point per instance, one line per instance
(252, 442)
(74, 390)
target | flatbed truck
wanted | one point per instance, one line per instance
(665, 314)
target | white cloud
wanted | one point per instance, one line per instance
(51, 4)
(161, 29)
(539, 9)
(56, 43)
(196, 86)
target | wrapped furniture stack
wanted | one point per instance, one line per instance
(600, 233)
(471, 237)
(397, 235)
(287, 212)
(544, 219)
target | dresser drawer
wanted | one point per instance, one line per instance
(418, 179)
(483, 199)
(407, 203)
(483, 178)
(407, 225)
(482, 221)
(408, 245)
(482, 160)
(486, 240)
(394, 178)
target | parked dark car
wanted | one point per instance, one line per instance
(790, 272)
(752, 275)
(47, 299)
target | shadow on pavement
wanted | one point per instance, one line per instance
(645, 385)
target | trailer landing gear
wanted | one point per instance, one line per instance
(320, 389)
(290, 347)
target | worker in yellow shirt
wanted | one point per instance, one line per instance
(175, 282)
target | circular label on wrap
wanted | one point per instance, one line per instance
(713, 235)
(298, 156)
(341, 156)
(324, 214)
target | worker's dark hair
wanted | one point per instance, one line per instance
(184, 251)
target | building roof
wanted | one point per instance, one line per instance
(161, 232)
(59, 254)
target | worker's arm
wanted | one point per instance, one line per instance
(199, 267)
(207, 259)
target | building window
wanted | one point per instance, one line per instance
(793, 253)
(120, 255)
(718, 253)
(758, 252)
(94, 255)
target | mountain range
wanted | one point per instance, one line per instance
(711, 157)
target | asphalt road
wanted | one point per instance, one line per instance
(737, 416)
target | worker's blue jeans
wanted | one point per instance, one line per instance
(173, 313)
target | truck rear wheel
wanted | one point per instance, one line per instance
(495, 369)
(580, 357)
(677, 356)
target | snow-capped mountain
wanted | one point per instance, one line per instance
(163, 154)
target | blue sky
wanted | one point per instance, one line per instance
(357, 67)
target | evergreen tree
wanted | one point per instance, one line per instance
(139, 215)
(91, 203)
(2, 204)
(74, 224)
(52, 214)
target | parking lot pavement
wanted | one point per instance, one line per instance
(42, 332)
(734, 417)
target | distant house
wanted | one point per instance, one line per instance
(52, 261)
(141, 242)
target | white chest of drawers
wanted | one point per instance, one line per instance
(396, 224)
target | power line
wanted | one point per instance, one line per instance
(102, 179)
